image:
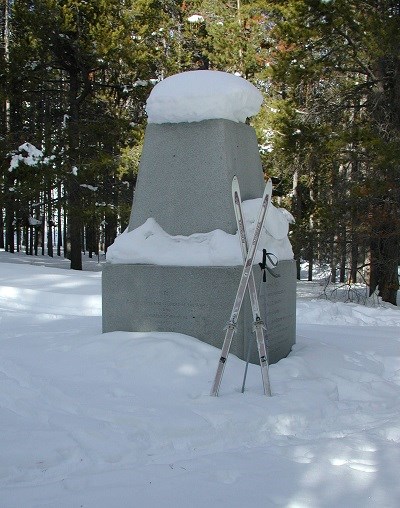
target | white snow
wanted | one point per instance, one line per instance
(89, 187)
(150, 244)
(32, 221)
(29, 155)
(125, 419)
(194, 96)
(195, 18)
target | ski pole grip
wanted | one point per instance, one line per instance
(263, 264)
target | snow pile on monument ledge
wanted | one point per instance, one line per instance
(192, 97)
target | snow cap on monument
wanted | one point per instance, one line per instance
(194, 96)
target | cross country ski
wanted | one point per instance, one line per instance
(247, 276)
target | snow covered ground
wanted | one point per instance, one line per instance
(126, 420)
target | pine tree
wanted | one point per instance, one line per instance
(80, 76)
(336, 71)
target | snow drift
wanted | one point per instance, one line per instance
(97, 420)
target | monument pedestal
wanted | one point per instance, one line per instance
(184, 183)
(197, 301)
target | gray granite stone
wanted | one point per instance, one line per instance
(184, 183)
(197, 301)
(186, 173)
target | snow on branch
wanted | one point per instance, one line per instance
(29, 155)
(89, 187)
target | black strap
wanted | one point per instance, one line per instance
(263, 265)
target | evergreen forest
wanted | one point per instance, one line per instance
(75, 76)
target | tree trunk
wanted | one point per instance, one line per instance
(30, 252)
(296, 210)
(18, 230)
(333, 259)
(373, 266)
(1, 228)
(91, 239)
(73, 188)
(353, 260)
(59, 220)
(388, 254)
(10, 215)
(74, 223)
(310, 255)
(50, 224)
(384, 255)
(343, 251)
(389, 280)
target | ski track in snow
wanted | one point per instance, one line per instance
(125, 419)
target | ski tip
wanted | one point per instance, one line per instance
(235, 187)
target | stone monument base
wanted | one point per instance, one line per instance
(197, 301)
